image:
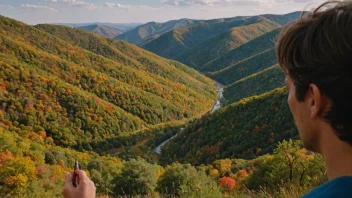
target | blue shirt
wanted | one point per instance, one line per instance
(340, 187)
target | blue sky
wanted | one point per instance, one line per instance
(128, 11)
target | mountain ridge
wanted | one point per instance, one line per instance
(102, 30)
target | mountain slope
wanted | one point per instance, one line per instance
(150, 29)
(72, 93)
(175, 42)
(120, 26)
(246, 67)
(102, 30)
(283, 19)
(202, 44)
(245, 129)
(256, 84)
(242, 52)
(158, 68)
(225, 42)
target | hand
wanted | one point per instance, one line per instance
(85, 189)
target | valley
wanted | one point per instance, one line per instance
(182, 108)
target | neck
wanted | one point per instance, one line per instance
(337, 155)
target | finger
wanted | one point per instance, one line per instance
(68, 184)
(82, 175)
(68, 179)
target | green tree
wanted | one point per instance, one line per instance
(138, 177)
(185, 181)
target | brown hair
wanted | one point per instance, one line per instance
(317, 49)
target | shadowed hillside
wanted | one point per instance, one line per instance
(255, 84)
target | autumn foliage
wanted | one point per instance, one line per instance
(227, 183)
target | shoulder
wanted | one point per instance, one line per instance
(340, 187)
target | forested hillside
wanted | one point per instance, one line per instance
(175, 42)
(241, 53)
(255, 84)
(225, 42)
(246, 67)
(245, 129)
(212, 45)
(133, 56)
(79, 97)
(67, 94)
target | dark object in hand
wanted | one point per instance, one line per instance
(75, 175)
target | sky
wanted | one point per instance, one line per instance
(142, 11)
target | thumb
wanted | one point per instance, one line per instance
(68, 180)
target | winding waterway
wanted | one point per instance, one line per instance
(216, 107)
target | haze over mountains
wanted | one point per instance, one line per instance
(119, 26)
(102, 30)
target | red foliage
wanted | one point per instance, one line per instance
(227, 183)
(242, 172)
(41, 96)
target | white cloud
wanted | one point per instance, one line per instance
(211, 2)
(117, 5)
(6, 6)
(74, 3)
(37, 7)
(82, 4)
(228, 2)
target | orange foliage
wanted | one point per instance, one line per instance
(42, 134)
(28, 84)
(43, 79)
(227, 183)
(42, 96)
(242, 172)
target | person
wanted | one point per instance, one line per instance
(85, 188)
(315, 52)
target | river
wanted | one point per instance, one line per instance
(216, 107)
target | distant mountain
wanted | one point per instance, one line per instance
(120, 26)
(81, 88)
(225, 42)
(242, 53)
(177, 41)
(215, 46)
(151, 29)
(102, 30)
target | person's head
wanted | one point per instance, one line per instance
(315, 53)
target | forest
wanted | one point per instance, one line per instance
(67, 94)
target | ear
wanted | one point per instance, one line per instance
(315, 101)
